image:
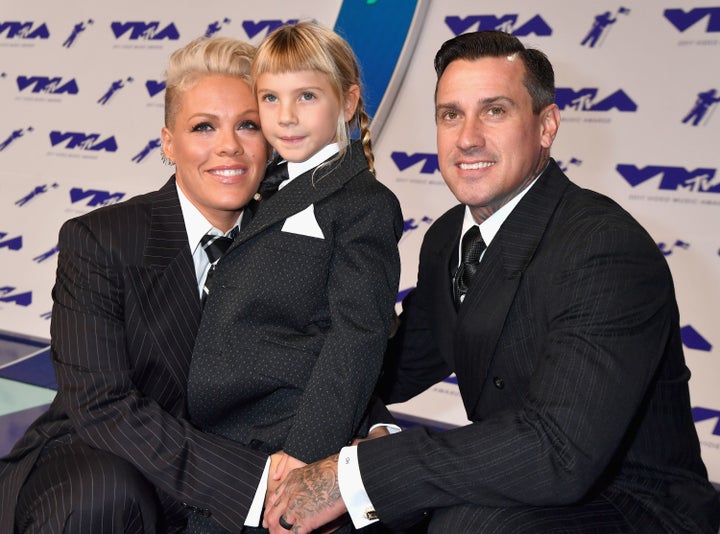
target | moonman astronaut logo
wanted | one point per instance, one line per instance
(601, 27)
(14, 135)
(703, 108)
(77, 30)
(38, 190)
(114, 88)
(151, 145)
(668, 249)
(216, 26)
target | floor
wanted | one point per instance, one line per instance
(27, 385)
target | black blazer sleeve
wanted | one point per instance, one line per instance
(112, 384)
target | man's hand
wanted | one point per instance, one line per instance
(307, 499)
(377, 432)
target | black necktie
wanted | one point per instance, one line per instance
(472, 248)
(275, 174)
(215, 247)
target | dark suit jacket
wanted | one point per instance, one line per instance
(569, 362)
(126, 311)
(295, 327)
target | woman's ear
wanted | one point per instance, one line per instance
(352, 97)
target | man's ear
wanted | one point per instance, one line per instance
(549, 124)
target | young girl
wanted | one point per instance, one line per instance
(301, 307)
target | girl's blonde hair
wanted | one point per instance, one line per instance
(311, 46)
(219, 56)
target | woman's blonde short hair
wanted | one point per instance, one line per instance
(215, 56)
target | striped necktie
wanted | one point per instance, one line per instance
(215, 247)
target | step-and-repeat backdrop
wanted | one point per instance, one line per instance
(638, 85)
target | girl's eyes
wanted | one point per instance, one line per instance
(307, 96)
(269, 98)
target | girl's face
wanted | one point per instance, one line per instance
(299, 112)
(218, 148)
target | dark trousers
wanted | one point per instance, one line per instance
(77, 489)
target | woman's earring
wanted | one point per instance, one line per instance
(165, 159)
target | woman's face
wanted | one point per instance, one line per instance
(217, 146)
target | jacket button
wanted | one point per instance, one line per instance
(499, 382)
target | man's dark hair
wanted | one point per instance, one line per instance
(539, 76)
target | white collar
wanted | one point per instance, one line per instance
(296, 169)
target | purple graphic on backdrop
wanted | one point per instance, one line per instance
(38, 190)
(586, 99)
(682, 20)
(47, 84)
(77, 29)
(536, 25)
(404, 161)
(151, 145)
(155, 87)
(667, 250)
(46, 255)
(114, 88)
(565, 166)
(215, 27)
(701, 180)
(16, 134)
(253, 28)
(83, 141)
(94, 197)
(140, 30)
(704, 103)
(601, 27)
(24, 30)
(10, 294)
(13, 243)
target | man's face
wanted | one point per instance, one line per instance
(490, 143)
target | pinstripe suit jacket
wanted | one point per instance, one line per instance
(125, 315)
(569, 362)
(295, 328)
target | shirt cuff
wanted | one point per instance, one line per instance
(391, 428)
(256, 508)
(357, 502)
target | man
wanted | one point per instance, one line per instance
(566, 343)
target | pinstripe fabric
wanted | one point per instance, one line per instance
(569, 361)
(125, 315)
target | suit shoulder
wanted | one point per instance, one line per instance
(115, 219)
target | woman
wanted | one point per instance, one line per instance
(115, 452)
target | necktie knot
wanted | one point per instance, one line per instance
(275, 174)
(472, 248)
(215, 246)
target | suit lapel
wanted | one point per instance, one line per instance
(166, 281)
(489, 300)
(303, 191)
